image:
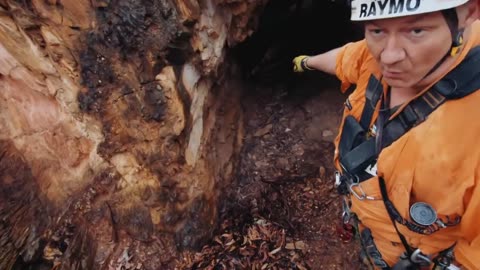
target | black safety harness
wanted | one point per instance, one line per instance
(359, 149)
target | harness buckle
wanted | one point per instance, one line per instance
(341, 183)
(453, 267)
(338, 178)
(444, 260)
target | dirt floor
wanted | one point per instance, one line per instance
(286, 211)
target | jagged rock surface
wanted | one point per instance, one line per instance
(118, 127)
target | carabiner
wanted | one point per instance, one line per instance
(363, 195)
(420, 258)
(346, 213)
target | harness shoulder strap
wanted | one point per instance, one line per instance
(372, 96)
(354, 132)
(464, 79)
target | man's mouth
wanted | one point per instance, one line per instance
(392, 74)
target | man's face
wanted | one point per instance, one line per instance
(407, 48)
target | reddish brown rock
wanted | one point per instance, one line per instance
(110, 116)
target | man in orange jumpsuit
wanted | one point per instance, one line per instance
(407, 153)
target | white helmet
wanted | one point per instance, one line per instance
(363, 10)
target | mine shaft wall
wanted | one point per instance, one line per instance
(117, 124)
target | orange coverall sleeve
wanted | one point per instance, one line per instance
(467, 250)
(350, 60)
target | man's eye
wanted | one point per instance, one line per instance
(376, 31)
(417, 31)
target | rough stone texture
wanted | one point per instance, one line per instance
(117, 126)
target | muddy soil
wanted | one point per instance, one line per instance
(285, 179)
(295, 158)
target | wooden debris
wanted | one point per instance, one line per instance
(263, 131)
(260, 246)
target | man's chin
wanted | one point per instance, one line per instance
(398, 83)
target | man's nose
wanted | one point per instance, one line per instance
(393, 52)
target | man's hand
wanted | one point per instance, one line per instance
(299, 64)
(324, 62)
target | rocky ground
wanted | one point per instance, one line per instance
(285, 210)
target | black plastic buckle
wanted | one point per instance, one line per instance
(341, 183)
(408, 117)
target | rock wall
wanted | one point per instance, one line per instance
(119, 125)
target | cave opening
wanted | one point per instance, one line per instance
(288, 28)
(285, 171)
(291, 119)
(309, 102)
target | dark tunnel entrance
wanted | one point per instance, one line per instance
(285, 172)
(288, 28)
(288, 112)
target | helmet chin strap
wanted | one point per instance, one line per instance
(451, 17)
(457, 37)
